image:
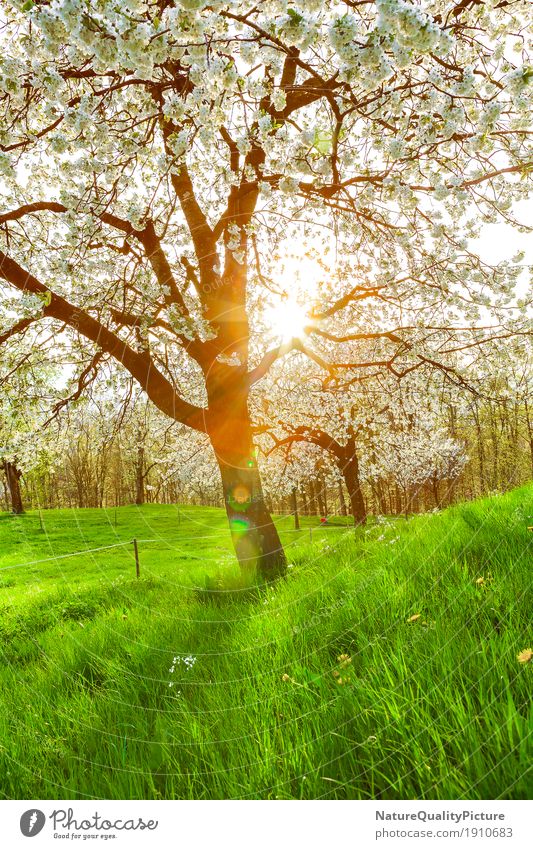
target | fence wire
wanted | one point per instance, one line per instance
(305, 530)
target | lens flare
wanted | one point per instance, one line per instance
(241, 494)
(239, 525)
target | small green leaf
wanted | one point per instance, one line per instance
(322, 142)
(28, 5)
(296, 16)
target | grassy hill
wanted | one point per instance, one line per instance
(384, 666)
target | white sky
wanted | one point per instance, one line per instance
(502, 241)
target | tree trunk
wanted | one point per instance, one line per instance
(313, 509)
(530, 434)
(295, 509)
(495, 449)
(320, 497)
(342, 502)
(255, 537)
(406, 502)
(480, 450)
(325, 496)
(13, 476)
(350, 472)
(139, 476)
(398, 509)
(436, 492)
(304, 502)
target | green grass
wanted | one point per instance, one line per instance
(436, 708)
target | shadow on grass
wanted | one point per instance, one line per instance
(226, 590)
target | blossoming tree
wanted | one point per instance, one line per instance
(24, 396)
(155, 156)
(373, 430)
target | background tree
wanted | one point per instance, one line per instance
(371, 430)
(24, 396)
(436, 426)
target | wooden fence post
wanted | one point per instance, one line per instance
(137, 564)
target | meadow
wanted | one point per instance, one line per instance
(384, 666)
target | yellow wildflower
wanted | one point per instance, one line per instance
(415, 617)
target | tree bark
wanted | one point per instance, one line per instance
(350, 472)
(436, 492)
(13, 476)
(324, 490)
(255, 537)
(295, 509)
(304, 502)
(139, 476)
(398, 509)
(320, 497)
(480, 449)
(342, 502)
(313, 508)
(529, 433)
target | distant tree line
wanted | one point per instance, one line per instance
(101, 462)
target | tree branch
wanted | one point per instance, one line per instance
(139, 364)
(19, 327)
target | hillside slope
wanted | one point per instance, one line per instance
(384, 666)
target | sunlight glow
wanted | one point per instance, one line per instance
(287, 319)
(289, 314)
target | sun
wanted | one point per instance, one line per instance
(287, 319)
(289, 313)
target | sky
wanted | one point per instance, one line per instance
(502, 241)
